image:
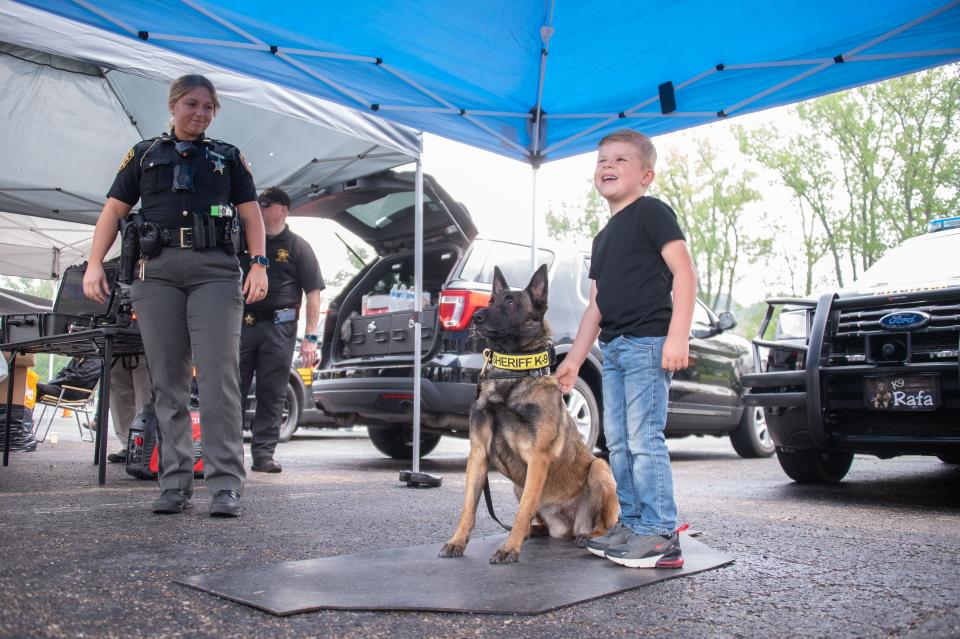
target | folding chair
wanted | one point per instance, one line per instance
(79, 405)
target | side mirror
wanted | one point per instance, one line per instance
(726, 321)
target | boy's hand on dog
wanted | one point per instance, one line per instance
(567, 375)
(676, 353)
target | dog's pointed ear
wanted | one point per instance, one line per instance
(499, 283)
(537, 288)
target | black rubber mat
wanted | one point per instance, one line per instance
(551, 574)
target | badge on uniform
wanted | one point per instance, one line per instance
(249, 319)
(283, 255)
(217, 161)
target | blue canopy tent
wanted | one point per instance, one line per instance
(537, 80)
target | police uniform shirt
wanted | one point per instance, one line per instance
(293, 270)
(220, 176)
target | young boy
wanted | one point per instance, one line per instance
(639, 259)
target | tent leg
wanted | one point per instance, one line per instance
(414, 478)
(533, 220)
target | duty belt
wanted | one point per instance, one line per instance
(178, 238)
(214, 232)
(252, 317)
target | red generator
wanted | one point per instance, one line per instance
(143, 453)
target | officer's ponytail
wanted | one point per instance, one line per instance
(187, 83)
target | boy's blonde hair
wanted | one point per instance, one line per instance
(643, 144)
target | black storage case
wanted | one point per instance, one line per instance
(390, 333)
(20, 327)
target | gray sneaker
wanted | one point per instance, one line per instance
(618, 534)
(648, 551)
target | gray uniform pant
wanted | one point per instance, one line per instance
(189, 306)
(267, 349)
(129, 391)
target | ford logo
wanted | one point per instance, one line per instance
(902, 320)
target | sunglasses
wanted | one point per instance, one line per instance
(264, 204)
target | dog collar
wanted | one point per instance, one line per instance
(514, 365)
(520, 361)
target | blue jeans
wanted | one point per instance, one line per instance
(635, 395)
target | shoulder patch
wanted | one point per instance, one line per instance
(126, 160)
(244, 162)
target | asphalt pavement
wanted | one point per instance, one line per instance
(875, 556)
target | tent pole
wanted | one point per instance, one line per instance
(533, 220)
(418, 310)
(415, 478)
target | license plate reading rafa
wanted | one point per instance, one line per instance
(909, 392)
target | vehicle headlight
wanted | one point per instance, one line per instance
(792, 324)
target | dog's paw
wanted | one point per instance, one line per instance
(582, 540)
(539, 530)
(452, 550)
(504, 556)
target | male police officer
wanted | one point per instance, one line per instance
(270, 326)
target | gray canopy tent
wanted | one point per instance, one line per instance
(76, 98)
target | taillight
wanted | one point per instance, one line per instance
(457, 307)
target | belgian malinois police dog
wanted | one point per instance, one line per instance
(520, 424)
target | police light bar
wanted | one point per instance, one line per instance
(943, 224)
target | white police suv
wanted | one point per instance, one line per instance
(874, 369)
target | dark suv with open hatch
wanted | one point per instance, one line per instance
(366, 372)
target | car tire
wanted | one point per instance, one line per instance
(950, 459)
(290, 417)
(814, 466)
(397, 443)
(751, 438)
(583, 408)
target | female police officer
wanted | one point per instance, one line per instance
(186, 290)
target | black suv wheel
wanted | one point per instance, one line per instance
(814, 466)
(751, 438)
(289, 418)
(397, 443)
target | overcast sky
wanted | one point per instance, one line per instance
(498, 191)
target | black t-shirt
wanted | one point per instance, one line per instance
(293, 271)
(634, 285)
(220, 176)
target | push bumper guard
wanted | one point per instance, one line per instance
(807, 385)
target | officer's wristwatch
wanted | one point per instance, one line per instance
(261, 260)
(312, 337)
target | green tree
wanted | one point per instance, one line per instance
(925, 158)
(344, 275)
(578, 222)
(869, 167)
(30, 286)
(709, 198)
(801, 164)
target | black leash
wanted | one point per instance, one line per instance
(489, 500)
